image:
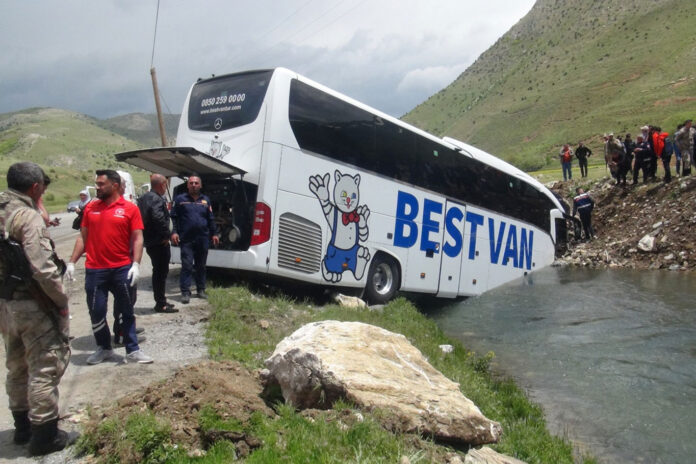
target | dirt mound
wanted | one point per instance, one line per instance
(229, 388)
(624, 215)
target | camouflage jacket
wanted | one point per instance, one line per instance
(29, 229)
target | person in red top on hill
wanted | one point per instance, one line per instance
(112, 235)
(663, 150)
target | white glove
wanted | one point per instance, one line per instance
(70, 271)
(133, 273)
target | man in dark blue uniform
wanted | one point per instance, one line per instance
(584, 204)
(193, 229)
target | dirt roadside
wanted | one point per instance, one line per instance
(172, 340)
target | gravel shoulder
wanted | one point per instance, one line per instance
(172, 340)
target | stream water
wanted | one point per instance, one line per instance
(609, 354)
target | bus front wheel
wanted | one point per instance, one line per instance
(382, 280)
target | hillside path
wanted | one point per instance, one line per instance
(172, 340)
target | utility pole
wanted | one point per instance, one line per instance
(160, 119)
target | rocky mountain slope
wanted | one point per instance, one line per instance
(571, 70)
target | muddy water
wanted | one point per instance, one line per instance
(610, 355)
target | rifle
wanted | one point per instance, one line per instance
(16, 270)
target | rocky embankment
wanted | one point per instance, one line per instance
(644, 226)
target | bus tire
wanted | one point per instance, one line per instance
(383, 280)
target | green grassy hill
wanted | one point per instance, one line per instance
(572, 70)
(142, 128)
(69, 146)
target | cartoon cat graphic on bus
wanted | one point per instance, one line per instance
(348, 223)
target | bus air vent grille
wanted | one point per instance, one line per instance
(299, 244)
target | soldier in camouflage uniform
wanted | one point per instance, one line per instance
(34, 325)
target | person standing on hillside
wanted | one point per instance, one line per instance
(685, 139)
(566, 157)
(656, 146)
(666, 146)
(153, 209)
(34, 319)
(582, 153)
(584, 204)
(677, 151)
(112, 235)
(615, 157)
(629, 146)
(193, 229)
(642, 153)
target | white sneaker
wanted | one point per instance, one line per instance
(139, 357)
(99, 356)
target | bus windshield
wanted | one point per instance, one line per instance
(228, 101)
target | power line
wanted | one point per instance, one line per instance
(274, 28)
(154, 39)
(299, 29)
(333, 21)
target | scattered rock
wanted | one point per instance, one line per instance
(446, 348)
(624, 216)
(486, 455)
(349, 301)
(647, 243)
(383, 371)
(264, 324)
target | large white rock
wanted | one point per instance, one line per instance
(374, 368)
(487, 455)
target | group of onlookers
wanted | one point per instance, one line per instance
(625, 155)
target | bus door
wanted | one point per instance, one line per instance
(451, 250)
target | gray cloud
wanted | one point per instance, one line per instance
(94, 57)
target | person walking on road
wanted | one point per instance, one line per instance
(582, 153)
(33, 313)
(153, 209)
(193, 229)
(584, 204)
(112, 235)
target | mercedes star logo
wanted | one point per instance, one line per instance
(218, 123)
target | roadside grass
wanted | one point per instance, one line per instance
(236, 332)
(245, 325)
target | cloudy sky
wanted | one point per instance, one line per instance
(94, 56)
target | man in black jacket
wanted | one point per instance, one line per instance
(643, 153)
(153, 209)
(582, 153)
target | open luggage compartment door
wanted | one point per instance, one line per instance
(177, 162)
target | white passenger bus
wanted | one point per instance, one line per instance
(308, 184)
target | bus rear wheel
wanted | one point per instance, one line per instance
(382, 280)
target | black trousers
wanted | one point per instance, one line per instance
(582, 162)
(586, 220)
(652, 171)
(640, 165)
(665, 164)
(160, 256)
